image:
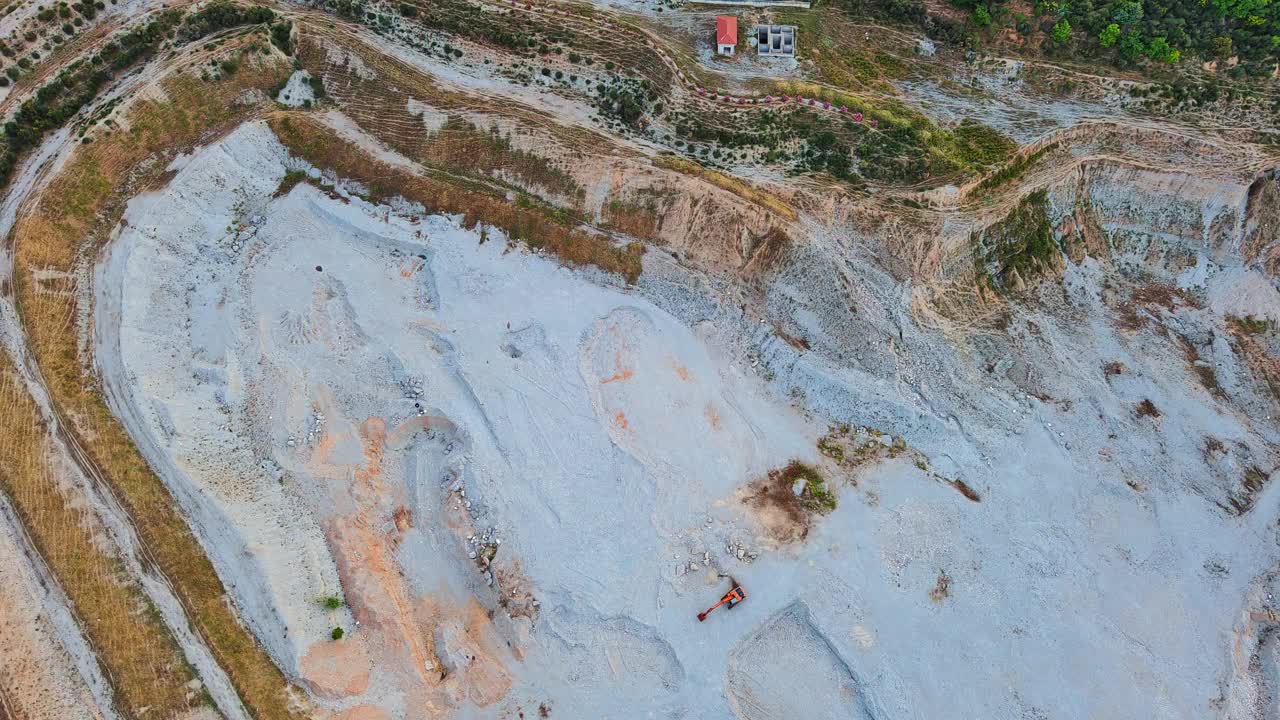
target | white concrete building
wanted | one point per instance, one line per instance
(777, 40)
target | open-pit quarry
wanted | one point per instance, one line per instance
(368, 362)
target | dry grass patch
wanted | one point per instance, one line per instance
(768, 201)
(636, 219)
(788, 500)
(1249, 325)
(1148, 409)
(1203, 370)
(382, 95)
(1134, 314)
(1242, 499)
(941, 588)
(537, 226)
(460, 145)
(1251, 342)
(134, 647)
(794, 341)
(964, 489)
(62, 234)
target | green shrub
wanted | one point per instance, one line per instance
(280, 33)
(1021, 244)
(815, 495)
(1061, 31)
(220, 15)
(1109, 35)
(1250, 324)
(980, 146)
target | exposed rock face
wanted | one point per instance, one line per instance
(1262, 223)
(721, 224)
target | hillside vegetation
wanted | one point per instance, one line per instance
(1125, 33)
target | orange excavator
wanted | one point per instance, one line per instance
(735, 595)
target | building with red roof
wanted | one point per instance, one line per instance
(726, 34)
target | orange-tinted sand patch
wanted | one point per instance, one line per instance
(403, 518)
(336, 669)
(362, 712)
(408, 270)
(467, 632)
(374, 584)
(621, 371)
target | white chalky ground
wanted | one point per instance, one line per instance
(314, 376)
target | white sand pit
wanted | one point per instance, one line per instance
(342, 397)
(788, 664)
(519, 481)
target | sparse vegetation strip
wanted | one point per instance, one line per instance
(77, 212)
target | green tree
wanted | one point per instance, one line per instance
(981, 16)
(1131, 46)
(1128, 12)
(1222, 47)
(1241, 8)
(1160, 50)
(280, 36)
(1061, 31)
(1109, 35)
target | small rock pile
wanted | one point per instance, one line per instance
(741, 552)
(736, 551)
(315, 431)
(412, 388)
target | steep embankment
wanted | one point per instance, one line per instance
(51, 240)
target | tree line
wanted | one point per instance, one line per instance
(1127, 33)
(60, 99)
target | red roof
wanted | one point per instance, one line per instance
(726, 30)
